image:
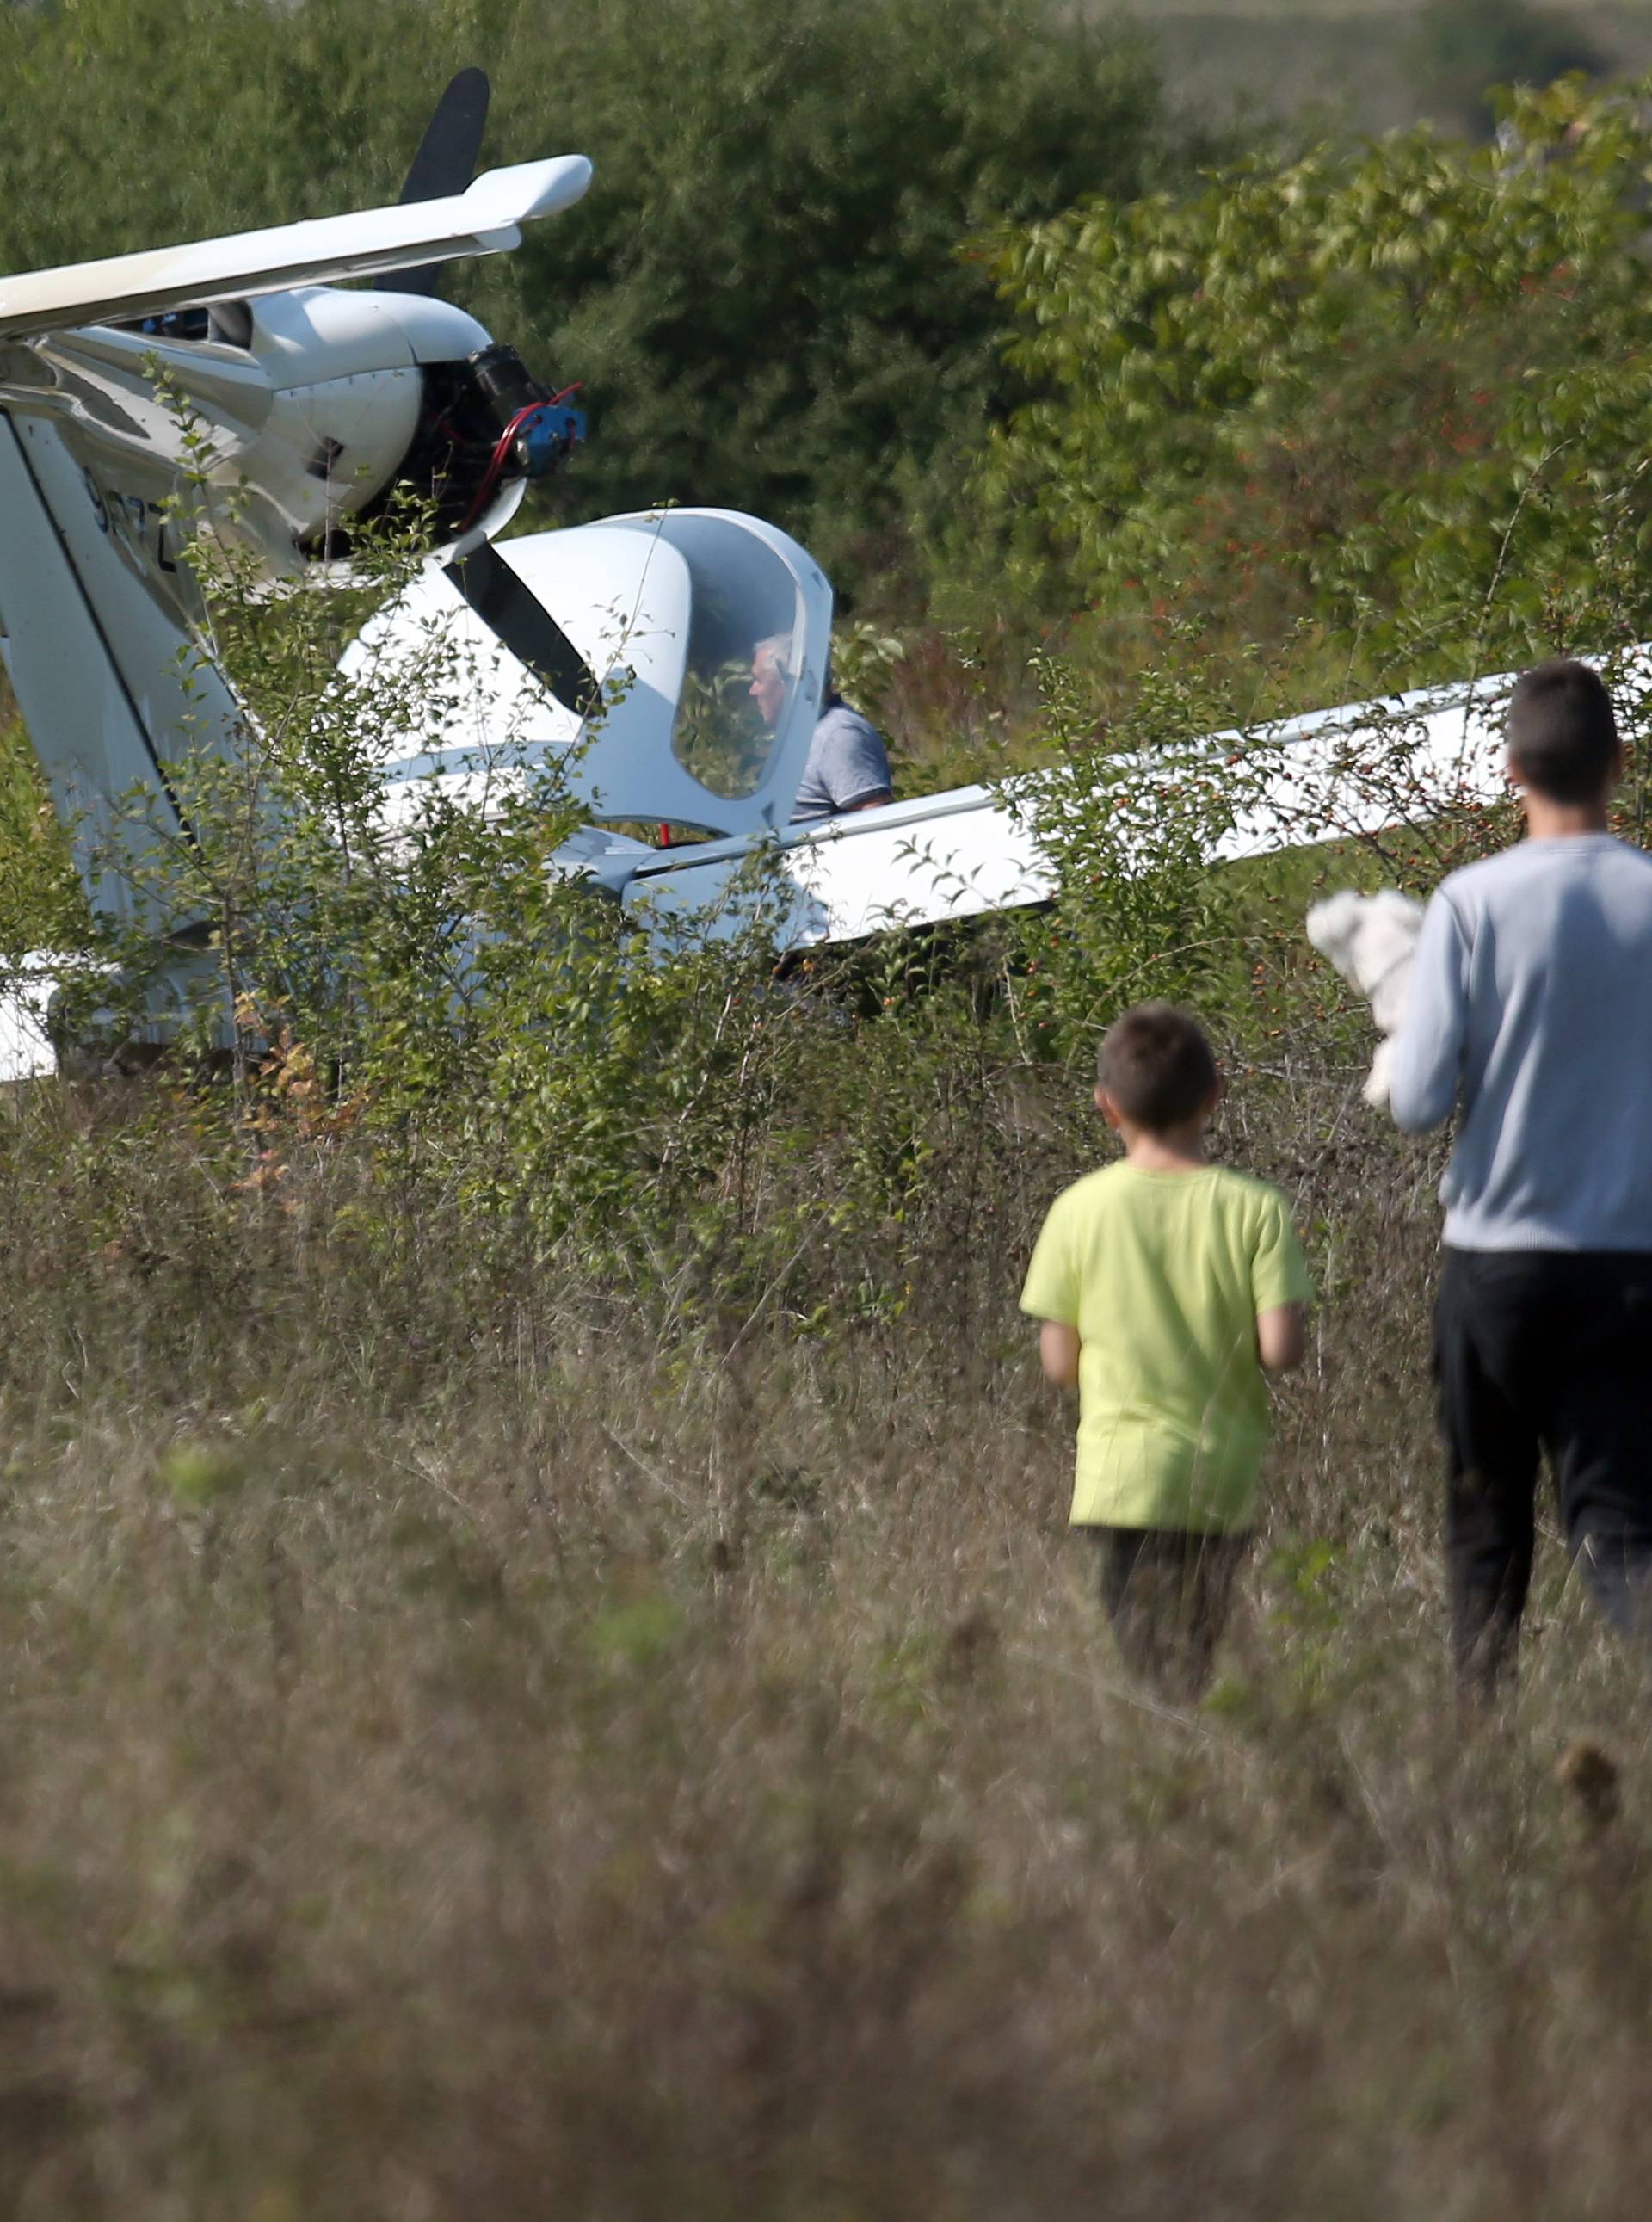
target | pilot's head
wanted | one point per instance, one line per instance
(771, 672)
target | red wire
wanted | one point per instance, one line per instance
(496, 464)
(501, 450)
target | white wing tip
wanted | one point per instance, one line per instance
(526, 190)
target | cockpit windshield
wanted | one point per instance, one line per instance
(743, 667)
(705, 632)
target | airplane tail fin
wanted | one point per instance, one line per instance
(103, 665)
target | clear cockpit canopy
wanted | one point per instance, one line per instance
(705, 631)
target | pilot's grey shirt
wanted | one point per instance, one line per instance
(1530, 1013)
(847, 765)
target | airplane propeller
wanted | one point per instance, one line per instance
(444, 164)
(521, 621)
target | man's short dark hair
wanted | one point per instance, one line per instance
(1562, 735)
(1156, 1065)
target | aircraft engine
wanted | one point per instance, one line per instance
(396, 395)
(319, 406)
(484, 430)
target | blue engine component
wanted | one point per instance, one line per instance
(548, 436)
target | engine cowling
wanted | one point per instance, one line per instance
(416, 401)
(324, 405)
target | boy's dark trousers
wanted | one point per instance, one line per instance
(1543, 1351)
(1167, 1592)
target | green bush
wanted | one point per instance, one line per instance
(1378, 414)
(40, 898)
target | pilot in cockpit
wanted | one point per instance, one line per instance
(848, 765)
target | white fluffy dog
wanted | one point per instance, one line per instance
(1371, 940)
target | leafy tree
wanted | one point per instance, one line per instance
(762, 293)
(1382, 411)
(769, 295)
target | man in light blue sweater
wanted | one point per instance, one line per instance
(1531, 1015)
(847, 766)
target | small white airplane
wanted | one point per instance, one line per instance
(317, 404)
(620, 652)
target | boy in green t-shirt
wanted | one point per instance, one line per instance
(1165, 1287)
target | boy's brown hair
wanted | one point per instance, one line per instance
(1156, 1065)
(1562, 734)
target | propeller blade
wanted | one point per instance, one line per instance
(444, 165)
(520, 620)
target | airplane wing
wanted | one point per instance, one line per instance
(485, 220)
(902, 864)
(1331, 775)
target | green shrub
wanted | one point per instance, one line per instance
(41, 905)
(1377, 413)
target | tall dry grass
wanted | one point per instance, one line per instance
(477, 1741)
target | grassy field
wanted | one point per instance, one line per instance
(601, 1719)
(480, 1742)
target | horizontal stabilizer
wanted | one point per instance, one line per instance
(485, 220)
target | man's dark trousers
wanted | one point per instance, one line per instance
(1543, 1351)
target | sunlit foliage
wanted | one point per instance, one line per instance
(1398, 394)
